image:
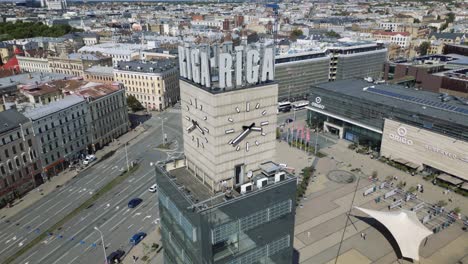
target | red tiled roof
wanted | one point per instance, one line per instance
(391, 33)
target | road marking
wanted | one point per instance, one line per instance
(73, 260)
(126, 211)
(60, 258)
(118, 223)
(63, 208)
(32, 254)
(55, 249)
(137, 214)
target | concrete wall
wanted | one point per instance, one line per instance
(212, 158)
(422, 146)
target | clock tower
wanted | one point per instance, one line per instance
(229, 107)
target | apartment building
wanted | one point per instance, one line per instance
(402, 39)
(33, 64)
(101, 74)
(20, 168)
(76, 63)
(108, 112)
(155, 84)
(62, 132)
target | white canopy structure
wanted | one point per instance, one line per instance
(405, 227)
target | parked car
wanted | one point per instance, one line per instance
(115, 256)
(89, 159)
(136, 238)
(153, 188)
(134, 202)
(289, 120)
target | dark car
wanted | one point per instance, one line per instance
(134, 202)
(115, 256)
(136, 238)
(289, 120)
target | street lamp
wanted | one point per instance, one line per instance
(103, 245)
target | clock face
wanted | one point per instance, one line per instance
(241, 133)
(197, 131)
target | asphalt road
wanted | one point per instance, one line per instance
(298, 115)
(77, 241)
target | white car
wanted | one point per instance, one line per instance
(89, 159)
(153, 188)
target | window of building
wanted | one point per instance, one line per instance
(7, 154)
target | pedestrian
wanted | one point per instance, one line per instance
(365, 235)
(362, 235)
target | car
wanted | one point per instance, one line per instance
(153, 188)
(115, 256)
(134, 202)
(289, 120)
(89, 159)
(136, 238)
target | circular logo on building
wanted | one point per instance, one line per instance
(402, 131)
(318, 100)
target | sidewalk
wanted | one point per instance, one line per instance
(36, 194)
(144, 249)
(432, 193)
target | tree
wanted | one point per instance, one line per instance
(423, 47)
(450, 17)
(134, 104)
(332, 34)
(416, 20)
(296, 33)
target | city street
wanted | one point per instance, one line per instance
(77, 241)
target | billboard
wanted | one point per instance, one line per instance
(425, 148)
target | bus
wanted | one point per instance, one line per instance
(299, 105)
(284, 107)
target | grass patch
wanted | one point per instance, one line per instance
(164, 146)
(88, 203)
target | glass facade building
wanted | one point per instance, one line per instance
(198, 226)
(296, 72)
(356, 110)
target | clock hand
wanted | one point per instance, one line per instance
(199, 128)
(190, 128)
(239, 138)
(248, 127)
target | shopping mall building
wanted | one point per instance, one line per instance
(422, 130)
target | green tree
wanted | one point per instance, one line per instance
(134, 104)
(296, 33)
(423, 47)
(450, 17)
(332, 34)
(416, 20)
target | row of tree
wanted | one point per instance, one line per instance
(19, 30)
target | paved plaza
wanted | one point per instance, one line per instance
(322, 214)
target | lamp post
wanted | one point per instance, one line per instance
(103, 245)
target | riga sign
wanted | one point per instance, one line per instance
(229, 67)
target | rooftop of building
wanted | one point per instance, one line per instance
(199, 196)
(435, 60)
(94, 90)
(11, 119)
(444, 107)
(389, 33)
(53, 107)
(104, 70)
(113, 48)
(156, 66)
(31, 78)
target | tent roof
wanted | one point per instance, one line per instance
(405, 227)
